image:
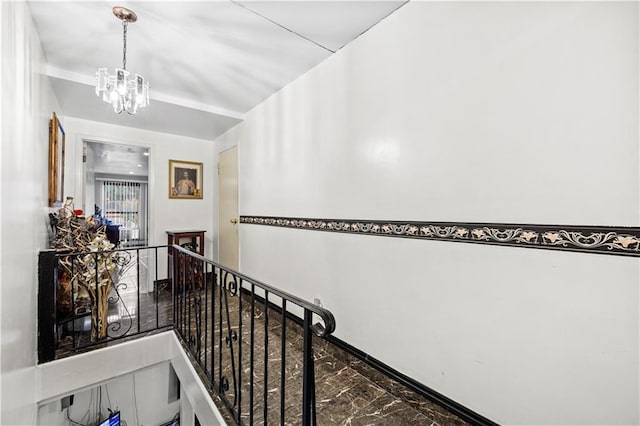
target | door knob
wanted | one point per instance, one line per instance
(234, 221)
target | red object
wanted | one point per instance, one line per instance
(78, 212)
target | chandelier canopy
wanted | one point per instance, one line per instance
(122, 90)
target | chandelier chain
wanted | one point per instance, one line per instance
(124, 44)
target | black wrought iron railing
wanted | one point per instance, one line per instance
(253, 342)
(95, 298)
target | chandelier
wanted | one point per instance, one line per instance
(122, 90)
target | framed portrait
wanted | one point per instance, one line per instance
(56, 162)
(185, 179)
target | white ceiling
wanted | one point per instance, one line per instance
(112, 159)
(208, 62)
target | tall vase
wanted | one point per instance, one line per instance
(99, 311)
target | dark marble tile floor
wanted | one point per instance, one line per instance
(217, 329)
(348, 390)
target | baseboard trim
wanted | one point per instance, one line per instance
(459, 410)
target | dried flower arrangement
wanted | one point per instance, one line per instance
(91, 267)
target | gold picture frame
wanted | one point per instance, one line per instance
(185, 180)
(56, 161)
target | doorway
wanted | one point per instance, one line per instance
(228, 208)
(116, 189)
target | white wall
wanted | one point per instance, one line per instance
(164, 213)
(89, 193)
(142, 395)
(484, 112)
(28, 101)
(76, 374)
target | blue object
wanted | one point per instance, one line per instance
(113, 420)
(113, 234)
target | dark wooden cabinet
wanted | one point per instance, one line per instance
(190, 239)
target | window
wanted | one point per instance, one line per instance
(124, 203)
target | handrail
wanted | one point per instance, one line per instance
(206, 307)
(212, 328)
(74, 285)
(326, 315)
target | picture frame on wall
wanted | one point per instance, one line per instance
(185, 179)
(56, 161)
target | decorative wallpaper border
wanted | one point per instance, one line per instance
(624, 241)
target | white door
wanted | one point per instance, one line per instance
(228, 208)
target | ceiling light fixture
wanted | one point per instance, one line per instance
(123, 91)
